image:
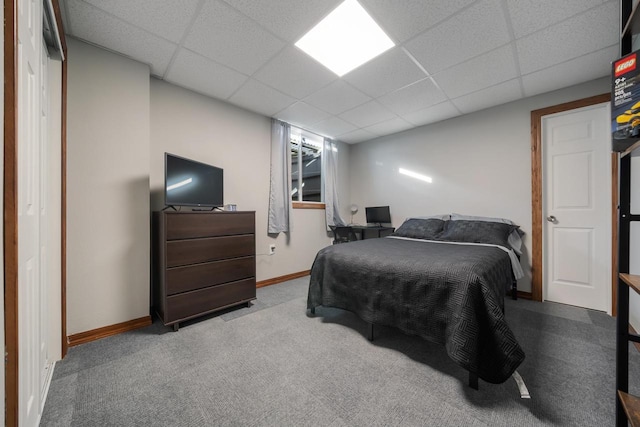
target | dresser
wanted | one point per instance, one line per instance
(203, 262)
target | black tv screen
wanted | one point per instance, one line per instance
(378, 214)
(191, 183)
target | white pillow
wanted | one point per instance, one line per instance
(444, 217)
(456, 216)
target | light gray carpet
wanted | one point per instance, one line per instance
(273, 365)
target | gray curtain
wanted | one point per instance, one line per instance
(280, 189)
(332, 205)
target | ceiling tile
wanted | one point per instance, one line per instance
(417, 96)
(202, 75)
(529, 16)
(332, 127)
(260, 98)
(456, 56)
(388, 72)
(390, 126)
(295, 73)
(590, 31)
(289, 19)
(367, 114)
(487, 70)
(476, 30)
(165, 18)
(359, 135)
(436, 113)
(228, 37)
(337, 97)
(578, 70)
(404, 19)
(301, 114)
(495, 95)
(102, 29)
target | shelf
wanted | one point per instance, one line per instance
(631, 405)
(627, 406)
(632, 280)
(625, 146)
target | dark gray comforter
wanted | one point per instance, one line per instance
(447, 293)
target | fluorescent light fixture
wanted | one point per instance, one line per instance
(345, 39)
(415, 175)
(180, 184)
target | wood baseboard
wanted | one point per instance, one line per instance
(281, 279)
(107, 331)
(525, 295)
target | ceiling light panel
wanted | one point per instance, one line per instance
(345, 39)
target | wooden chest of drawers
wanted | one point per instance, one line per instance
(203, 262)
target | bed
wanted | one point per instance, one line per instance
(441, 278)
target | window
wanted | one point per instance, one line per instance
(306, 166)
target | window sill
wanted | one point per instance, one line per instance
(308, 205)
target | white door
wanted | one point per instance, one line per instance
(44, 363)
(28, 176)
(576, 149)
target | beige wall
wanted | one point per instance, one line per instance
(119, 126)
(480, 164)
(107, 189)
(210, 131)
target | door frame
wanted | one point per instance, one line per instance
(10, 204)
(536, 195)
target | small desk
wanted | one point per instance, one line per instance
(364, 232)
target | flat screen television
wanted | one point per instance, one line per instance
(191, 183)
(378, 215)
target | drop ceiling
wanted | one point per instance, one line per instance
(452, 57)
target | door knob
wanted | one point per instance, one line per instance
(552, 218)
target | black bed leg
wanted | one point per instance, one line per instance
(312, 310)
(514, 290)
(473, 380)
(370, 332)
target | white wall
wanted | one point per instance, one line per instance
(107, 188)
(480, 164)
(210, 131)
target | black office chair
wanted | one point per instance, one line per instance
(343, 234)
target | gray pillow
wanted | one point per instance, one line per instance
(515, 238)
(417, 228)
(495, 233)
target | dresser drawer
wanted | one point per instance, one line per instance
(184, 252)
(185, 225)
(188, 304)
(191, 277)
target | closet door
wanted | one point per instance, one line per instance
(30, 247)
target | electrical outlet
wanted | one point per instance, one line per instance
(272, 249)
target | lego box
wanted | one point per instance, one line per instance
(625, 102)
